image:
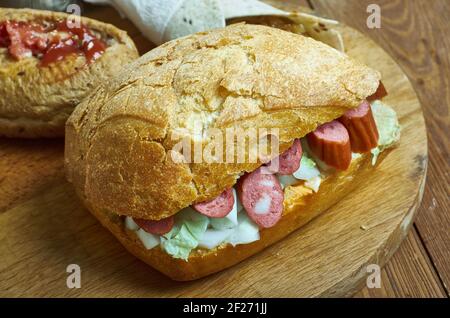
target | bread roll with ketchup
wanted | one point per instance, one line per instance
(49, 63)
(189, 219)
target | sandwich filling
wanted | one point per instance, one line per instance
(257, 200)
(50, 41)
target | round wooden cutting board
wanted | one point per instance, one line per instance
(328, 257)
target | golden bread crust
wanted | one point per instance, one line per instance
(203, 262)
(119, 139)
(36, 101)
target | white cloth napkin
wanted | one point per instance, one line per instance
(163, 20)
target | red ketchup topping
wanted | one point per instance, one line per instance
(4, 37)
(50, 44)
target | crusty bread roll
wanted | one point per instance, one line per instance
(119, 139)
(36, 101)
(305, 206)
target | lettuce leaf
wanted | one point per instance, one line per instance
(286, 180)
(213, 238)
(195, 222)
(313, 183)
(307, 170)
(181, 244)
(387, 125)
(246, 232)
(149, 240)
(184, 237)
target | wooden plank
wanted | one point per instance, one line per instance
(409, 273)
(416, 34)
(28, 167)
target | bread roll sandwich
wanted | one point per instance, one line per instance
(48, 63)
(190, 213)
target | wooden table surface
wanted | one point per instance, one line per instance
(416, 34)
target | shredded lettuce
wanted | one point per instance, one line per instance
(356, 155)
(227, 222)
(184, 237)
(149, 240)
(191, 231)
(307, 170)
(130, 224)
(175, 229)
(387, 125)
(313, 183)
(246, 232)
(213, 238)
(181, 244)
(195, 222)
(286, 180)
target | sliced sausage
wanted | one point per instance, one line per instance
(330, 142)
(361, 128)
(159, 227)
(379, 94)
(289, 161)
(218, 207)
(262, 197)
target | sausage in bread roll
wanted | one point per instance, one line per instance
(191, 218)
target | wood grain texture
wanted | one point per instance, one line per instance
(27, 167)
(325, 258)
(409, 273)
(416, 34)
